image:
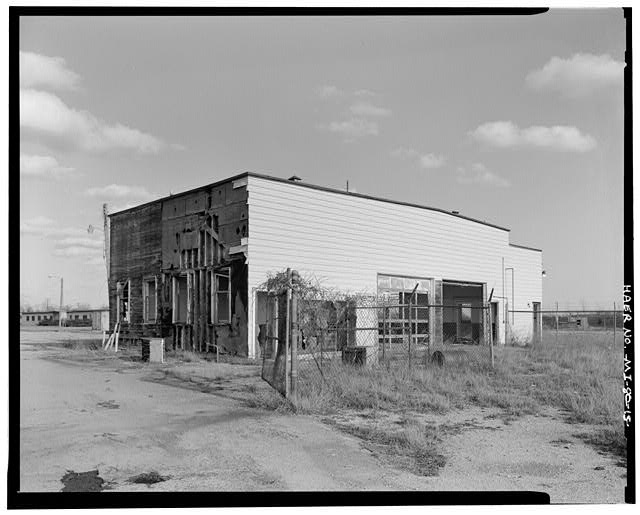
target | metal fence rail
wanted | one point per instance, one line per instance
(559, 324)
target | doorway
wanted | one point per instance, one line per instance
(462, 314)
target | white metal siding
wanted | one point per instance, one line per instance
(527, 289)
(345, 241)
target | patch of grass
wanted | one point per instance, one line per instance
(579, 375)
(414, 446)
(269, 400)
(185, 356)
(82, 344)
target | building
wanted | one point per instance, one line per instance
(97, 319)
(39, 317)
(188, 267)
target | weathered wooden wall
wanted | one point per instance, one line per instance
(135, 254)
(188, 235)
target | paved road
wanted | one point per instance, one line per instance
(126, 419)
(90, 415)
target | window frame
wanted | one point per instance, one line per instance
(398, 314)
(120, 287)
(215, 308)
(146, 282)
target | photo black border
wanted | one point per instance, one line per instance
(56, 500)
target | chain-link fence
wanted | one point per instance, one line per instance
(314, 335)
(562, 326)
(377, 332)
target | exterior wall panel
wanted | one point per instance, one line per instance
(527, 288)
(345, 241)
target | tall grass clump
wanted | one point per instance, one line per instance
(580, 376)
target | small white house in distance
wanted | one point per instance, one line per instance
(189, 267)
(361, 243)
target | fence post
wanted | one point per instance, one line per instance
(409, 345)
(506, 323)
(556, 322)
(615, 323)
(490, 318)
(384, 330)
(321, 337)
(294, 333)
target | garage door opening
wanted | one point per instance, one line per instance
(462, 312)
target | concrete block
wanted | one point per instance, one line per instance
(156, 350)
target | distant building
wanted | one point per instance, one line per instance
(97, 319)
(37, 317)
(189, 267)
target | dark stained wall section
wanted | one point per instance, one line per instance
(166, 239)
(135, 253)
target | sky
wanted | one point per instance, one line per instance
(516, 120)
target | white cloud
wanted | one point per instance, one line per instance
(364, 93)
(41, 70)
(47, 113)
(427, 161)
(80, 242)
(43, 226)
(359, 122)
(76, 251)
(404, 153)
(353, 128)
(79, 247)
(477, 173)
(43, 166)
(39, 221)
(577, 76)
(121, 191)
(431, 161)
(368, 109)
(328, 91)
(506, 134)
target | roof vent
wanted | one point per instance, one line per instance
(294, 178)
(456, 212)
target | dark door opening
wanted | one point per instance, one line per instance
(462, 312)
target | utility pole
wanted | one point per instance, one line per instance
(61, 304)
(61, 298)
(105, 220)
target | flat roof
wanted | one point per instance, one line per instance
(55, 311)
(312, 186)
(523, 247)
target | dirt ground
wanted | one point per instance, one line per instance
(126, 418)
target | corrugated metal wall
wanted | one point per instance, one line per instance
(345, 241)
